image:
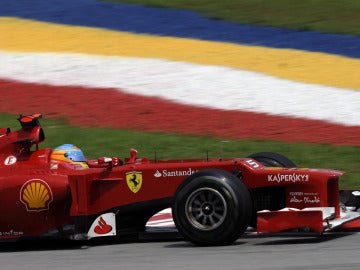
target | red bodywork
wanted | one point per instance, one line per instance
(37, 199)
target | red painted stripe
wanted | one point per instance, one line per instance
(161, 217)
(92, 107)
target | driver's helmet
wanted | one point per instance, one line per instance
(68, 153)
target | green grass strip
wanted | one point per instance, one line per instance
(332, 16)
(96, 142)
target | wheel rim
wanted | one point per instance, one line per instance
(206, 209)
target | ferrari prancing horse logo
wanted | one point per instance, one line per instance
(134, 181)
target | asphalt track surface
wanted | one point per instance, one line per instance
(329, 251)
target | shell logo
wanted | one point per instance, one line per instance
(36, 195)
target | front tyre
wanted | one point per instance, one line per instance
(212, 207)
(271, 159)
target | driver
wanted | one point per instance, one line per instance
(69, 154)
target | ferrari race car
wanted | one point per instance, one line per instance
(213, 201)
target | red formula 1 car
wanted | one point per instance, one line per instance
(213, 201)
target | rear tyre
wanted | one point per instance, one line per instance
(212, 207)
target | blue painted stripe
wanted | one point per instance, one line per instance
(178, 23)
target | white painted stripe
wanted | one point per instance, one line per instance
(164, 222)
(209, 86)
(161, 219)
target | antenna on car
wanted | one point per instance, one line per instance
(222, 148)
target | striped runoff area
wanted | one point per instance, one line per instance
(282, 93)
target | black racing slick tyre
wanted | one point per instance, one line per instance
(212, 207)
(271, 159)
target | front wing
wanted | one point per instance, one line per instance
(318, 219)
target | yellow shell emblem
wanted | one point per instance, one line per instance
(134, 181)
(36, 195)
